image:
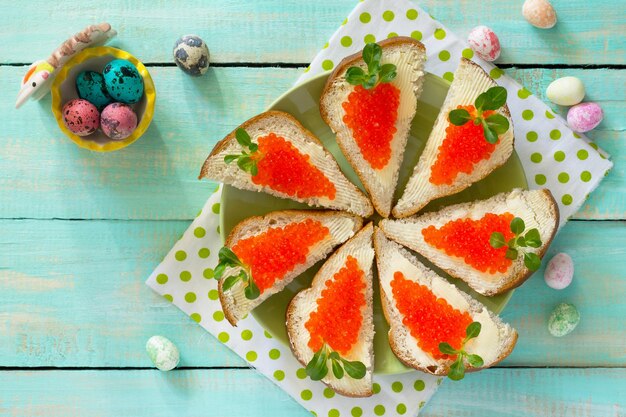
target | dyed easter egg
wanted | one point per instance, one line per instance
(90, 86)
(123, 81)
(584, 116)
(566, 91)
(539, 13)
(559, 272)
(484, 42)
(118, 121)
(563, 320)
(162, 352)
(81, 117)
(191, 55)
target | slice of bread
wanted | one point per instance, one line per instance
(494, 343)
(409, 56)
(348, 197)
(470, 80)
(305, 302)
(341, 226)
(537, 208)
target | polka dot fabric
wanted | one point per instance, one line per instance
(545, 144)
(552, 156)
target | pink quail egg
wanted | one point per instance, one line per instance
(81, 117)
(584, 116)
(118, 121)
(484, 42)
(559, 272)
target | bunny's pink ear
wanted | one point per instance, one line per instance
(45, 74)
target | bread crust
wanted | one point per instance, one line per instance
(293, 304)
(324, 112)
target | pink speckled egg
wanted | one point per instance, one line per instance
(118, 121)
(81, 117)
(484, 42)
(539, 13)
(584, 116)
(559, 272)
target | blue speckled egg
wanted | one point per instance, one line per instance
(123, 81)
(90, 87)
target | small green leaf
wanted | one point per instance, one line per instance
(334, 356)
(511, 254)
(229, 282)
(337, 369)
(517, 225)
(254, 170)
(372, 53)
(521, 242)
(317, 367)
(369, 82)
(480, 102)
(251, 291)
(387, 73)
(459, 117)
(355, 75)
(473, 330)
(475, 360)
(511, 243)
(242, 137)
(219, 271)
(457, 370)
(498, 123)
(495, 98)
(445, 347)
(533, 239)
(356, 369)
(230, 158)
(253, 147)
(497, 240)
(532, 261)
(228, 257)
(490, 135)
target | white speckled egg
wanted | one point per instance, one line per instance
(191, 55)
(484, 42)
(162, 352)
(566, 91)
(539, 13)
(584, 116)
(559, 272)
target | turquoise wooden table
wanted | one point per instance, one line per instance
(80, 232)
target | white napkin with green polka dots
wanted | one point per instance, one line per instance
(553, 156)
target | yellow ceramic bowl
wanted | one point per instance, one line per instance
(64, 90)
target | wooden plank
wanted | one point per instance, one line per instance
(293, 31)
(156, 177)
(226, 393)
(73, 295)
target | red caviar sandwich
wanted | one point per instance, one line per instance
(274, 153)
(330, 325)
(434, 326)
(472, 136)
(494, 245)
(369, 102)
(264, 254)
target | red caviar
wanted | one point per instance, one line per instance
(462, 148)
(338, 318)
(431, 320)
(469, 239)
(272, 254)
(371, 115)
(283, 168)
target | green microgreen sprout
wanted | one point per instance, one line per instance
(317, 368)
(376, 73)
(515, 245)
(244, 160)
(457, 369)
(227, 258)
(493, 125)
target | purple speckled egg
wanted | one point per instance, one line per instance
(559, 272)
(584, 116)
(484, 42)
(118, 121)
(81, 117)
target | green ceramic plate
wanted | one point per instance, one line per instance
(303, 103)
